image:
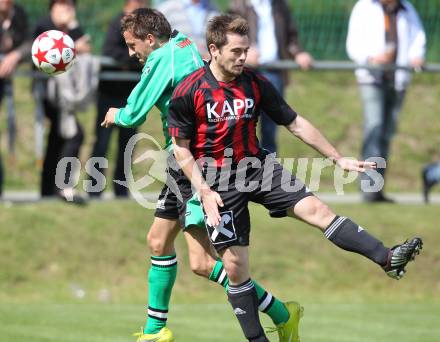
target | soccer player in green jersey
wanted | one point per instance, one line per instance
(168, 57)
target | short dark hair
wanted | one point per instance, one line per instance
(219, 26)
(53, 2)
(144, 21)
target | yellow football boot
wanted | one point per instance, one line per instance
(164, 335)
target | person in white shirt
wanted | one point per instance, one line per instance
(189, 17)
(383, 32)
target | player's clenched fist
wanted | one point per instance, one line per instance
(109, 119)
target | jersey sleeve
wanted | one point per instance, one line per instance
(156, 77)
(273, 104)
(181, 117)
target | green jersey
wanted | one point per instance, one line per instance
(164, 69)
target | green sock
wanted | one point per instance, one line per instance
(267, 303)
(161, 279)
(271, 306)
(218, 274)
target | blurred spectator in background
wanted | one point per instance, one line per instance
(430, 177)
(60, 144)
(381, 33)
(273, 37)
(189, 17)
(114, 94)
(14, 45)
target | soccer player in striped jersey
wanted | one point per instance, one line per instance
(212, 119)
(169, 57)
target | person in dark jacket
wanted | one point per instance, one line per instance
(113, 93)
(14, 45)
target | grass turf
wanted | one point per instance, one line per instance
(51, 252)
(322, 322)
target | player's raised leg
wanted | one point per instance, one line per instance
(350, 236)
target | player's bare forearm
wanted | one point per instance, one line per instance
(210, 199)
(308, 133)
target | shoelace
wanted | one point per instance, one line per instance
(401, 254)
(278, 329)
(139, 334)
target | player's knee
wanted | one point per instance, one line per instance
(160, 237)
(157, 245)
(201, 262)
(235, 275)
(200, 267)
(235, 270)
(327, 214)
(320, 210)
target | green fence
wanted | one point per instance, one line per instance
(323, 26)
(322, 23)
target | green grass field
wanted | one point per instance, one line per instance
(51, 250)
(214, 322)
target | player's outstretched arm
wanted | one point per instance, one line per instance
(308, 133)
(210, 199)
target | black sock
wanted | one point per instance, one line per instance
(244, 301)
(347, 235)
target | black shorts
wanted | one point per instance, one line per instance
(174, 197)
(170, 199)
(277, 190)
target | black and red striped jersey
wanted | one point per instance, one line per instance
(217, 116)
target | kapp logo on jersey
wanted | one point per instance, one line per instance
(224, 110)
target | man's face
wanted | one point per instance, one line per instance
(231, 57)
(392, 3)
(6, 5)
(138, 47)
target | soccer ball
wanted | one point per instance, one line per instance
(53, 52)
